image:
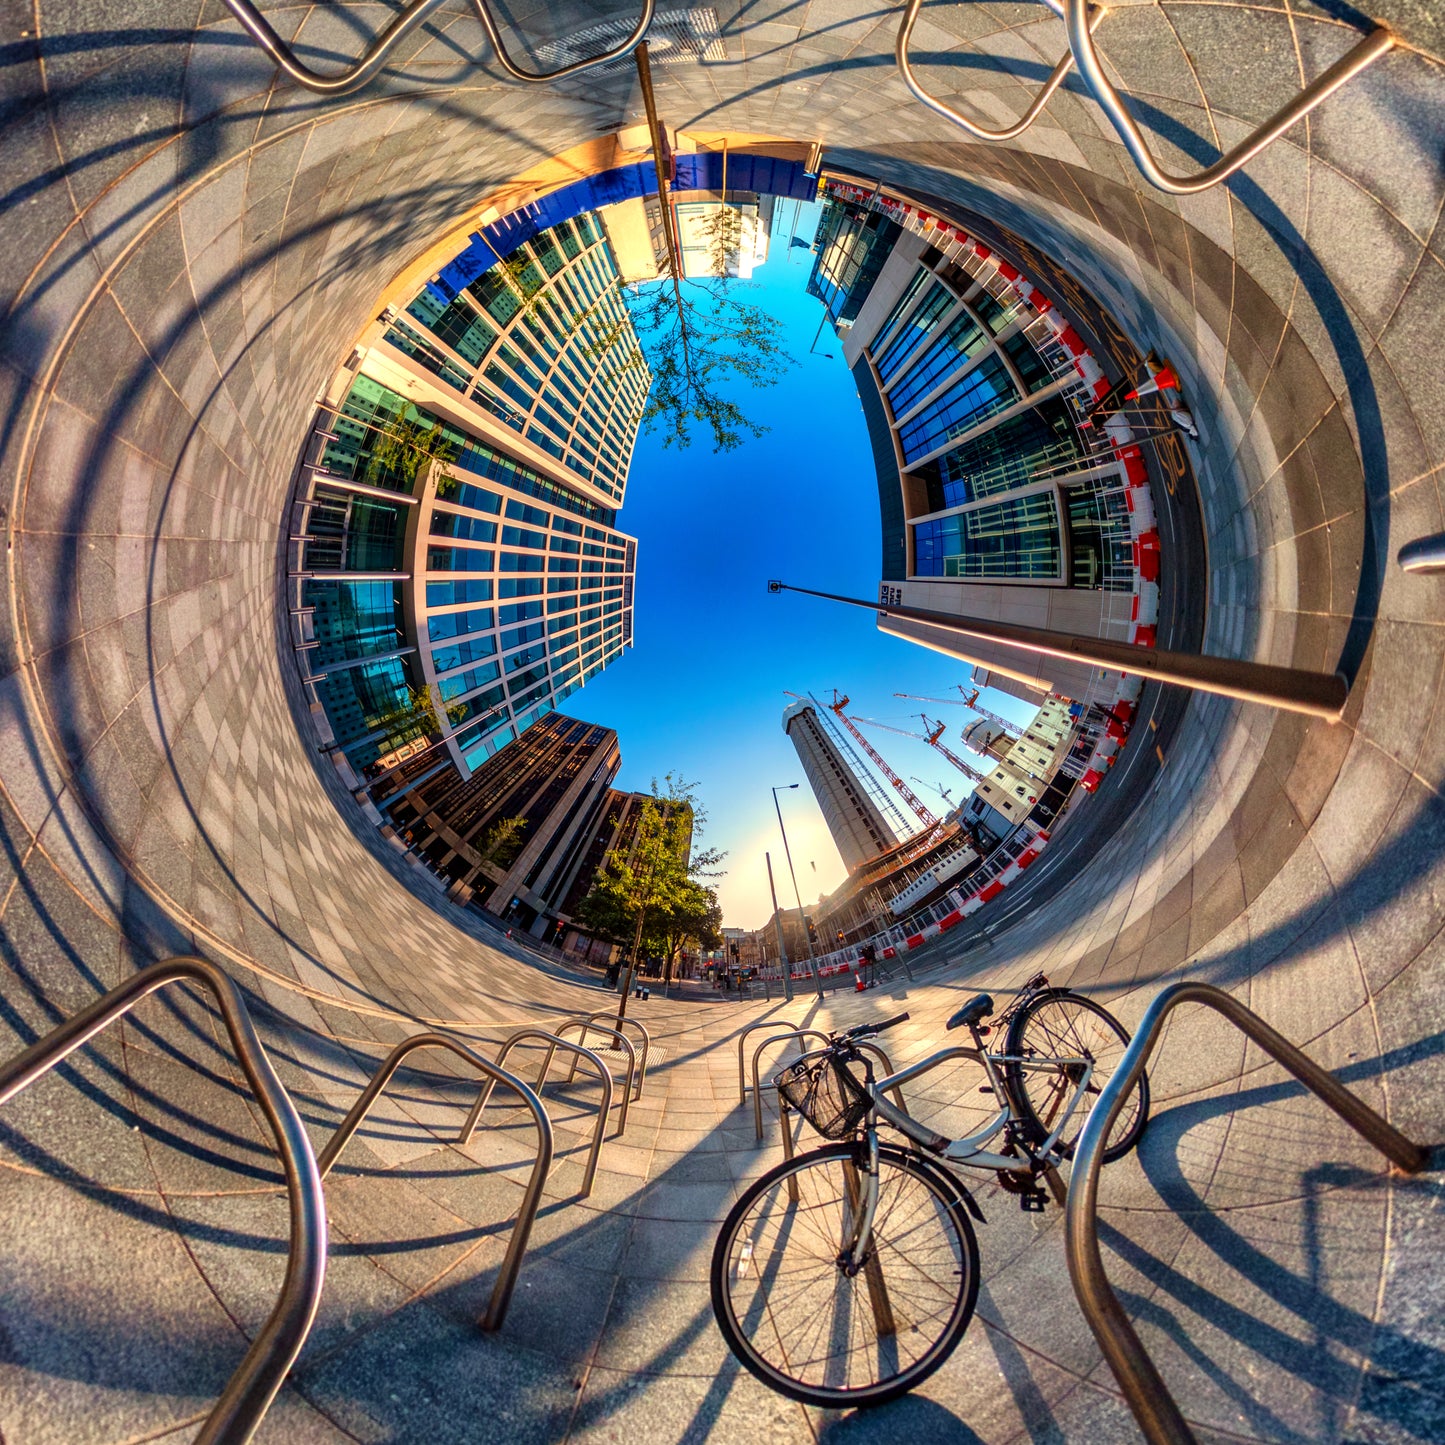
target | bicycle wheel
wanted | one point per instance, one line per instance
(793, 1316)
(1064, 1024)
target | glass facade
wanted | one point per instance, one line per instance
(971, 400)
(851, 246)
(543, 342)
(937, 302)
(1004, 457)
(1017, 539)
(960, 343)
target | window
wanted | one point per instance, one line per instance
(470, 529)
(937, 301)
(960, 343)
(1018, 539)
(519, 537)
(981, 393)
(443, 594)
(458, 559)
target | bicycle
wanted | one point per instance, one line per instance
(845, 1276)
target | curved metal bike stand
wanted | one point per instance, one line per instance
(1056, 78)
(620, 1038)
(1144, 1390)
(531, 1197)
(866, 1048)
(752, 1029)
(604, 1074)
(343, 82)
(1091, 70)
(590, 1022)
(248, 1394)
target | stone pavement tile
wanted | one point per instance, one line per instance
(239, 1243)
(669, 1249)
(699, 1201)
(662, 1327)
(422, 1377)
(412, 1238)
(624, 1406)
(110, 1331)
(557, 1306)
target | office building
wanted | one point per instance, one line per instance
(856, 822)
(1023, 766)
(488, 579)
(994, 502)
(556, 778)
(541, 341)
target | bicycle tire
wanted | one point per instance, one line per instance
(1061, 1022)
(779, 1294)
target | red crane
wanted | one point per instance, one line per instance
(933, 733)
(920, 809)
(970, 701)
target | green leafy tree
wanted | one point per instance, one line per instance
(401, 450)
(695, 917)
(643, 882)
(503, 842)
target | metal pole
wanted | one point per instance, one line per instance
(1318, 694)
(778, 920)
(787, 852)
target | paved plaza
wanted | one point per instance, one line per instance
(189, 249)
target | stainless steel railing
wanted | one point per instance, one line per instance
(589, 1021)
(604, 1075)
(1144, 1389)
(248, 1394)
(353, 77)
(531, 1196)
(1080, 19)
(742, 1037)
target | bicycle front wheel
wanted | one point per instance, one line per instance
(1061, 1024)
(791, 1312)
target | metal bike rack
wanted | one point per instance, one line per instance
(531, 1197)
(624, 1043)
(1144, 1389)
(604, 1074)
(249, 1392)
(590, 1022)
(375, 56)
(1056, 78)
(866, 1048)
(1091, 69)
(752, 1029)
(1080, 19)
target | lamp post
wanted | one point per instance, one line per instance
(787, 853)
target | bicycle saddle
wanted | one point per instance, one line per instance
(974, 1011)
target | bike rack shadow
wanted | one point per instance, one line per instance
(604, 1075)
(532, 1195)
(248, 1394)
(1145, 1392)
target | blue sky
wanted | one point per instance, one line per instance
(702, 691)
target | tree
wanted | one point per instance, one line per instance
(695, 917)
(641, 883)
(400, 451)
(503, 842)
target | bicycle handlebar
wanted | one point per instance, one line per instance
(866, 1031)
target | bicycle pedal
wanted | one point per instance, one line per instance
(985, 1088)
(1033, 1201)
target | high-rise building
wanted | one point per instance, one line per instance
(556, 778)
(540, 340)
(993, 501)
(494, 582)
(853, 818)
(851, 245)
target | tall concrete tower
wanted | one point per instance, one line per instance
(854, 819)
(985, 736)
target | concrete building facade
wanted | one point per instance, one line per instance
(855, 821)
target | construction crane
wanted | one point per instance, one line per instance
(893, 815)
(932, 735)
(970, 701)
(920, 809)
(936, 788)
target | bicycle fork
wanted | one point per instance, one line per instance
(857, 1253)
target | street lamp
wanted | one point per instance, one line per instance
(827, 356)
(787, 852)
